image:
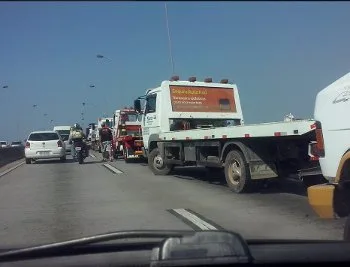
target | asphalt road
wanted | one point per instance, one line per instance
(51, 201)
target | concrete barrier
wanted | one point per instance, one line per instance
(10, 154)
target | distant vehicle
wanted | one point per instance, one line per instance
(17, 144)
(44, 145)
(3, 144)
(64, 133)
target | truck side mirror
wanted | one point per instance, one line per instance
(137, 105)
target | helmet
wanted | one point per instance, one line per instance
(76, 125)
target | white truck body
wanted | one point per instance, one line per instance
(205, 109)
(332, 109)
(332, 147)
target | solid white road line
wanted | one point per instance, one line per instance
(113, 169)
(11, 169)
(195, 219)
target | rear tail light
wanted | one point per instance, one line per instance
(59, 143)
(27, 145)
(317, 148)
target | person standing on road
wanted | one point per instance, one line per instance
(106, 138)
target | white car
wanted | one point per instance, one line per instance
(44, 145)
(17, 144)
(64, 133)
(4, 144)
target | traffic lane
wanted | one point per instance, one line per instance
(52, 201)
(279, 211)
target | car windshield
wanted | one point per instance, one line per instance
(16, 143)
(205, 144)
(43, 137)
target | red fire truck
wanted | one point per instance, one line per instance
(127, 135)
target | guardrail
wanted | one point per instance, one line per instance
(10, 154)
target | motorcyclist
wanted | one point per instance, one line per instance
(106, 139)
(76, 135)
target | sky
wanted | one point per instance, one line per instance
(280, 55)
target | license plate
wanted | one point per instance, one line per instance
(78, 148)
(45, 153)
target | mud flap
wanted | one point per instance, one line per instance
(261, 170)
(321, 198)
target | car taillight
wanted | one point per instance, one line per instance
(27, 145)
(59, 143)
(317, 148)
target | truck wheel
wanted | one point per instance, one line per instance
(237, 172)
(28, 161)
(156, 163)
(125, 155)
(346, 234)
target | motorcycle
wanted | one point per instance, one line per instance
(80, 151)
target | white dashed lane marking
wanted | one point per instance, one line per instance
(11, 169)
(195, 220)
(112, 169)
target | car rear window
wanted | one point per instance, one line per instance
(3, 143)
(43, 137)
(63, 132)
(16, 143)
(65, 137)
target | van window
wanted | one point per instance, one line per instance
(151, 103)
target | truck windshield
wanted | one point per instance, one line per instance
(131, 117)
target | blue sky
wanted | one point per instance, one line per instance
(279, 54)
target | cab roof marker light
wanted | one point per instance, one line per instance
(208, 80)
(174, 78)
(192, 79)
(224, 81)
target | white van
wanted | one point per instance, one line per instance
(64, 133)
(332, 113)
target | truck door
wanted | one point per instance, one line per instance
(150, 119)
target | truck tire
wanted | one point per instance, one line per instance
(237, 172)
(156, 163)
(28, 161)
(125, 155)
(346, 234)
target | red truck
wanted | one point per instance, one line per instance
(127, 134)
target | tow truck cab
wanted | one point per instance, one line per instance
(170, 108)
(127, 134)
(332, 148)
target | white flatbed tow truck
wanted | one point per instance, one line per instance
(201, 123)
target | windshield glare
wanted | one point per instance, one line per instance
(196, 95)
